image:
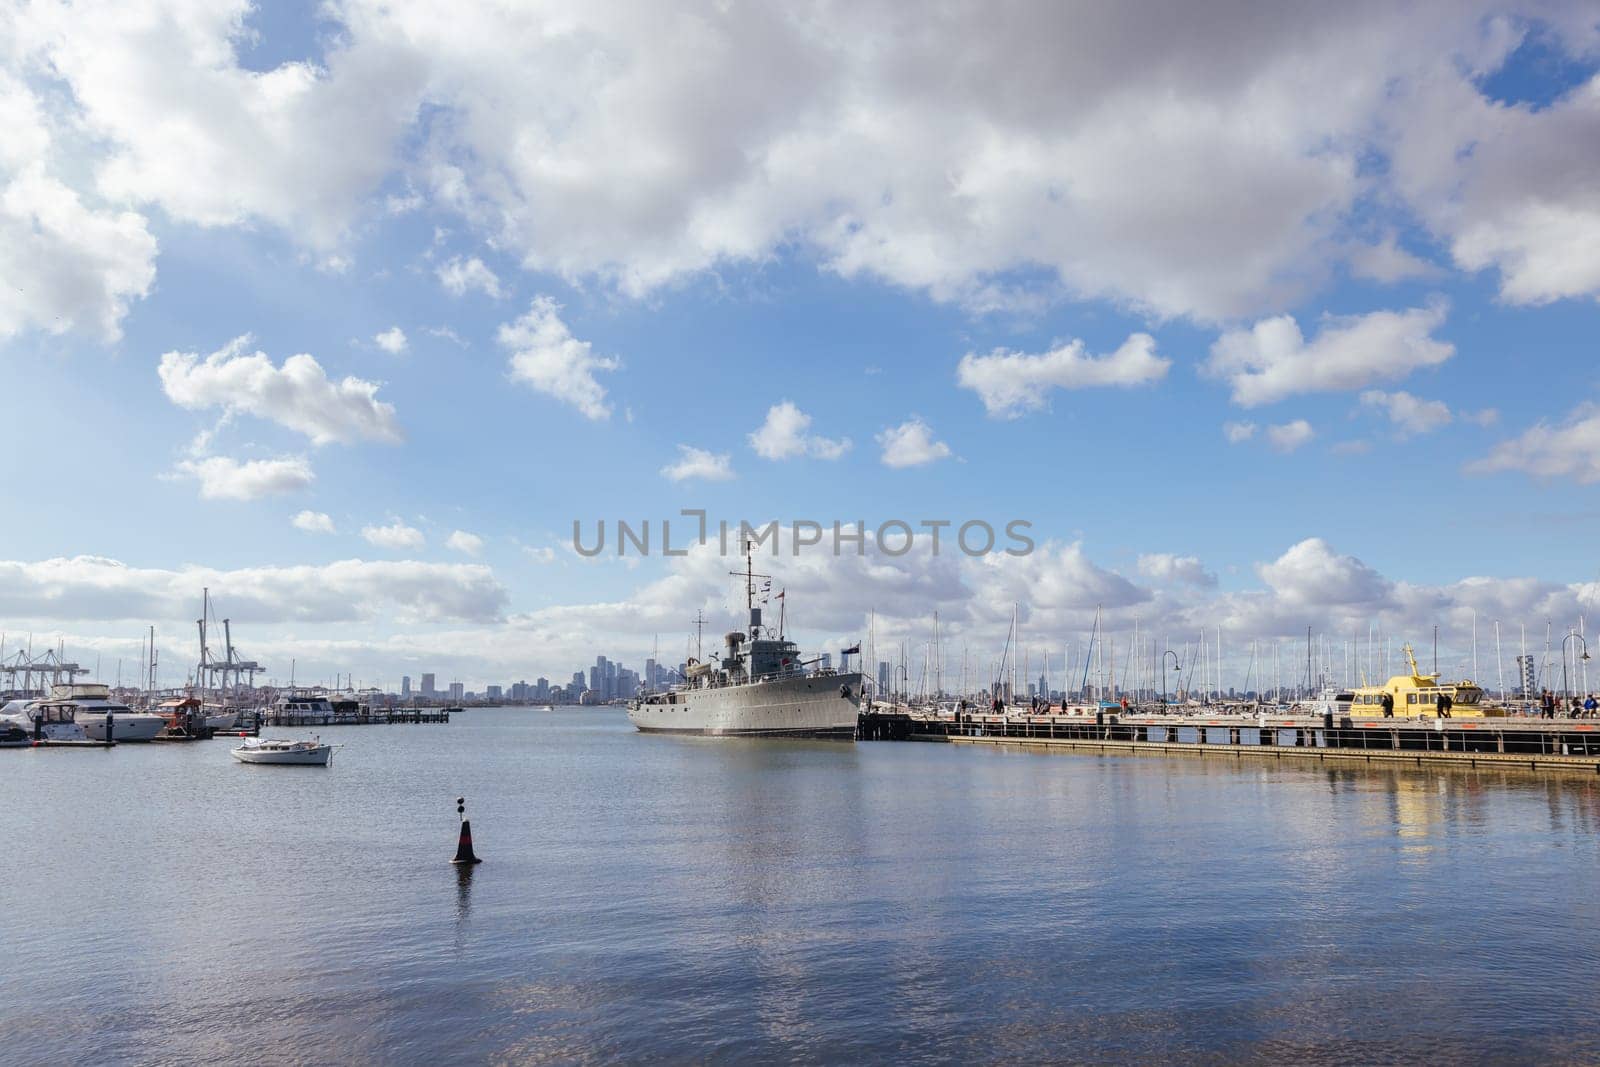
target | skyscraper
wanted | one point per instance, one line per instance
(405, 687)
(427, 686)
(883, 676)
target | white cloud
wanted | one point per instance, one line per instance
(1410, 415)
(545, 356)
(299, 395)
(95, 588)
(466, 543)
(64, 263)
(1002, 163)
(947, 153)
(1012, 383)
(223, 478)
(697, 463)
(1508, 187)
(1568, 449)
(911, 444)
(1385, 261)
(186, 127)
(459, 275)
(1273, 360)
(396, 536)
(1238, 432)
(1312, 575)
(1166, 567)
(392, 340)
(783, 436)
(1290, 435)
(1058, 588)
(313, 522)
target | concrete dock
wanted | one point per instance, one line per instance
(1532, 744)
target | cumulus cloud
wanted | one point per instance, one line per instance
(545, 356)
(397, 536)
(392, 340)
(224, 478)
(1273, 360)
(467, 544)
(1013, 383)
(65, 262)
(1238, 432)
(460, 275)
(784, 436)
(85, 588)
(698, 464)
(911, 444)
(1567, 449)
(1166, 567)
(313, 522)
(1507, 187)
(188, 128)
(1001, 163)
(1409, 415)
(1311, 573)
(1290, 435)
(1385, 261)
(1058, 588)
(299, 395)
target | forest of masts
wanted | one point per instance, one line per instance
(1207, 667)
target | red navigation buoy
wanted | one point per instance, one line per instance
(464, 853)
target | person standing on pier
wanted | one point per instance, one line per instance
(1547, 704)
(1443, 705)
(1388, 706)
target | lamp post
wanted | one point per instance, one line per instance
(1175, 667)
(1565, 687)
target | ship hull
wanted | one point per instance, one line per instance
(812, 707)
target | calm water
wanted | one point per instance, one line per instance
(648, 898)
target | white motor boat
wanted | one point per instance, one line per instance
(89, 704)
(15, 732)
(311, 753)
(43, 721)
(221, 718)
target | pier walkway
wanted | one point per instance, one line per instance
(1533, 744)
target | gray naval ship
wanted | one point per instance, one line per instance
(760, 688)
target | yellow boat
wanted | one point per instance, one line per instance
(1417, 695)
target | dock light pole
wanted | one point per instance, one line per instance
(1565, 687)
(1175, 667)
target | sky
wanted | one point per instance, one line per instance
(1261, 319)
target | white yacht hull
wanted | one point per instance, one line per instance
(304, 757)
(51, 731)
(125, 727)
(824, 706)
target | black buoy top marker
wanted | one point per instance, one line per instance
(464, 853)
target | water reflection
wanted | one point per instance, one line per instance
(656, 898)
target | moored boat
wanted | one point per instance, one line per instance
(102, 719)
(761, 688)
(312, 753)
(1416, 695)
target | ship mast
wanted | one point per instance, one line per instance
(750, 577)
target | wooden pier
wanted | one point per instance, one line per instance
(1530, 744)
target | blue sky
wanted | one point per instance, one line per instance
(838, 234)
